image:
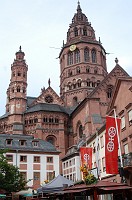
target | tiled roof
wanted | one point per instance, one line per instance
(48, 107)
(42, 146)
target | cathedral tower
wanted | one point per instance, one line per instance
(16, 92)
(82, 61)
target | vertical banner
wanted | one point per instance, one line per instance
(86, 156)
(111, 145)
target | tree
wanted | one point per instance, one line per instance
(10, 178)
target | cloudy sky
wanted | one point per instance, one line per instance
(40, 26)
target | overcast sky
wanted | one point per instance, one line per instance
(38, 25)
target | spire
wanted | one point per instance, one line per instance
(79, 7)
(49, 82)
(20, 49)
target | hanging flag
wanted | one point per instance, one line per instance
(111, 144)
(86, 157)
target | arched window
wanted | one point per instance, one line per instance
(93, 84)
(35, 120)
(80, 131)
(69, 72)
(45, 120)
(85, 31)
(94, 59)
(79, 83)
(86, 54)
(24, 75)
(78, 70)
(95, 70)
(98, 82)
(88, 82)
(13, 90)
(88, 69)
(51, 140)
(13, 74)
(70, 58)
(23, 89)
(76, 31)
(69, 86)
(19, 74)
(109, 91)
(18, 89)
(77, 56)
(75, 101)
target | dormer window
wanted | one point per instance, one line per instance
(35, 143)
(9, 142)
(22, 142)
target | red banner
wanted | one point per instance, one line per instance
(111, 145)
(86, 156)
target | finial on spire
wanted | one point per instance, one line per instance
(20, 49)
(79, 7)
(116, 60)
(49, 82)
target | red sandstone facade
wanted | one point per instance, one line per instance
(85, 92)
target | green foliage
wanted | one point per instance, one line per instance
(10, 178)
(90, 178)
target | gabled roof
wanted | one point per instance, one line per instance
(106, 78)
(115, 93)
(45, 93)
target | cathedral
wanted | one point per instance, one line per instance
(86, 89)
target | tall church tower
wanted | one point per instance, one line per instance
(82, 61)
(16, 92)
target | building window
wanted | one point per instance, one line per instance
(75, 101)
(87, 69)
(36, 176)
(122, 122)
(8, 142)
(109, 92)
(49, 159)
(96, 70)
(45, 119)
(78, 70)
(80, 131)
(126, 151)
(35, 120)
(102, 141)
(22, 142)
(70, 58)
(103, 164)
(36, 159)
(51, 140)
(9, 158)
(77, 56)
(69, 72)
(18, 74)
(50, 176)
(18, 89)
(13, 90)
(56, 120)
(130, 117)
(76, 31)
(85, 31)
(94, 59)
(35, 143)
(23, 158)
(86, 54)
(24, 175)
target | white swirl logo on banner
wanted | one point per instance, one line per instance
(111, 133)
(86, 156)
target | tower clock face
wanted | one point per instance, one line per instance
(48, 99)
(72, 47)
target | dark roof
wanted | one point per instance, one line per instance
(30, 100)
(4, 116)
(49, 108)
(43, 146)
